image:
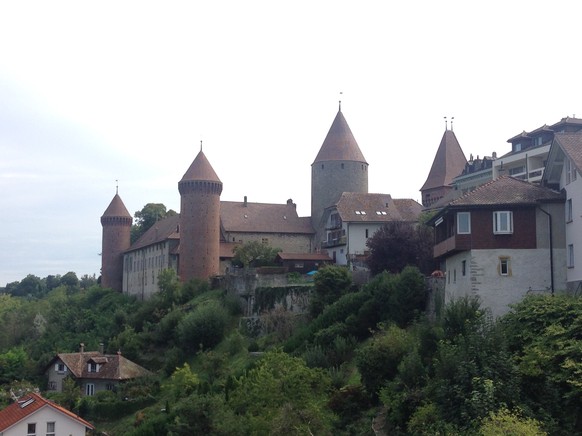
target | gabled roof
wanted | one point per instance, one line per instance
(263, 218)
(564, 144)
(362, 207)
(30, 404)
(162, 230)
(200, 169)
(449, 162)
(571, 143)
(340, 144)
(112, 366)
(506, 191)
(116, 208)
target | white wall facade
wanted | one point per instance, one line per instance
(141, 268)
(528, 272)
(573, 230)
(64, 425)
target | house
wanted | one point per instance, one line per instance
(563, 172)
(502, 240)
(355, 218)
(33, 415)
(303, 262)
(92, 370)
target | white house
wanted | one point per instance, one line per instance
(356, 217)
(34, 415)
(563, 172)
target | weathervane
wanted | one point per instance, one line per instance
(447, 123)
(340, 101)
(116, 186)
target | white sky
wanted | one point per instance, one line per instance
(91, 92)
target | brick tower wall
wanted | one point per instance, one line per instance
(115, 241)
(199, 229)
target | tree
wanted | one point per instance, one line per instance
(147, 217)
(398, 244)
(254, 254)
(330, 283)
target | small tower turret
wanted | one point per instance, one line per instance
(200, 190)
(116, 222)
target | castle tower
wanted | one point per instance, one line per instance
(116, 222)
(339, 167)
(449, 162)
(200, 190)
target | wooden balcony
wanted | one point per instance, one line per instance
(453, 244)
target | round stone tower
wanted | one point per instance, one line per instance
(200, 190)
(116, 222)
(339, 167)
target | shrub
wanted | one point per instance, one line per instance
(203, 328)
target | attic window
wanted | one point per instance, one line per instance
(93, 367)
(357, 212)
(25, 403)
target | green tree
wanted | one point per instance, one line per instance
(398, 244)
(254, 254)
(281, 395)
(204, 327)
(330, 283)
(147, 217)
(504, 422)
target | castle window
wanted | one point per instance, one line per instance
(342, 166)
(367, 233)
(569, 210)
(464, 267)
(321, 166)
(571, 256)
(265, 241)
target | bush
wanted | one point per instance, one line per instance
(203, 328)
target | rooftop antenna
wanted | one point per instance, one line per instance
(452, 119)
(116, 186)
(340, 102)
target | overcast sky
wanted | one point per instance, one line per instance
(91, 92)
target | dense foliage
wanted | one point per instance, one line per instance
(363, 357)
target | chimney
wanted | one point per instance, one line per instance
(494, 155)
(290, 203)
(101, 348)
(82, 347)
(245, 202)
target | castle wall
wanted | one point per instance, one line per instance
(289, 243)
(329, 179)
(142, 267)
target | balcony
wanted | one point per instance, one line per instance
(451, 245)
(334, 242)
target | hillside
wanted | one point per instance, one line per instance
(363, 360)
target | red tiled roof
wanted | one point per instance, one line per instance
(162, 230)
(340, 144)
(112, 366)
(376, 208)
(449, 162)
(507, 191)
(227, 249)
(116, 208)
(262, 218)
(200, 169)
(28, 405)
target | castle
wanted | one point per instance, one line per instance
(199, 242)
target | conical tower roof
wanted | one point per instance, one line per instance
(200, 169)
(116, 208)
(340, 144)
(448, 163)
